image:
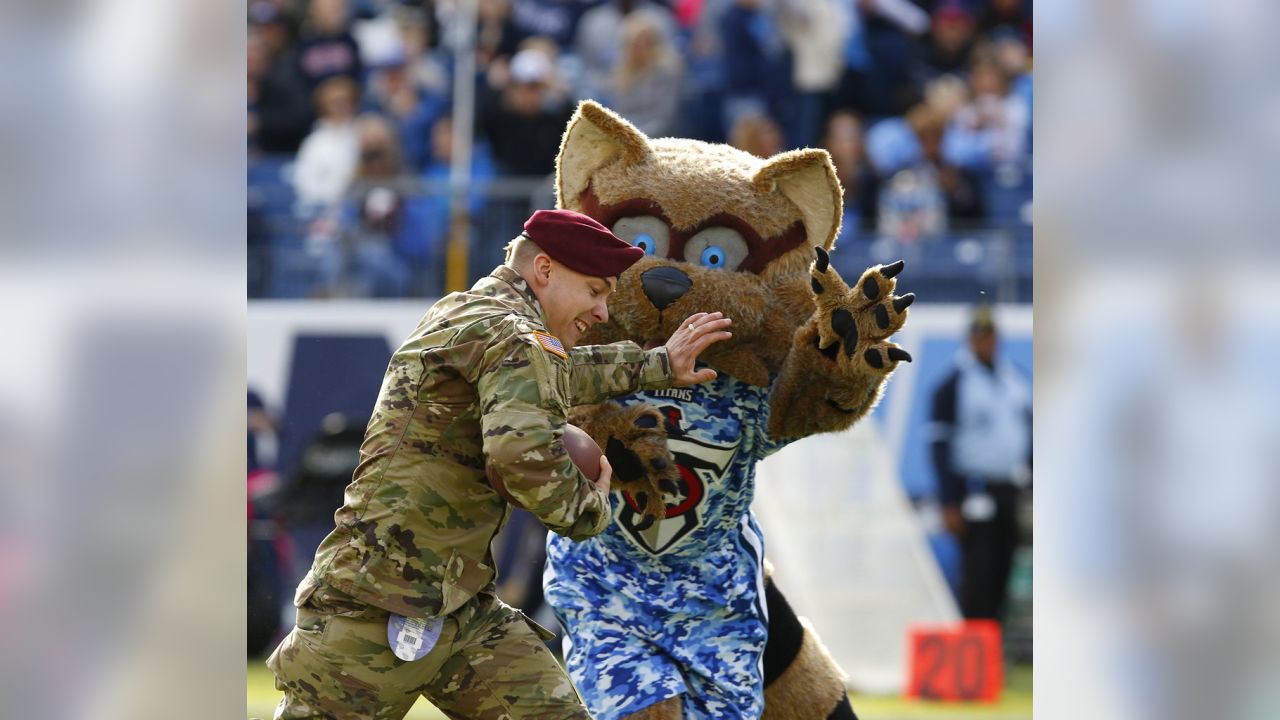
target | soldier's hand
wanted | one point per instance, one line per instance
(684, 346)
(606, 475)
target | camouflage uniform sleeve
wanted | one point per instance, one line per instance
(600, 372)
(523, 407)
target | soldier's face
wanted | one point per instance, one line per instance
(572, 301)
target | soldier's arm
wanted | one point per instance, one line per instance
(599, 372)
(522, 419)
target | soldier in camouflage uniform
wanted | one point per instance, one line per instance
(487, 378)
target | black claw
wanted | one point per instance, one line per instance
(669, 486)
(817, 286)
(891, 270)
(658, 464)
(829, 352)
(904, 302)
(871, 288)
(899, 354)
(872, 356)
(824, 260)
(646, 421)
(882, 317)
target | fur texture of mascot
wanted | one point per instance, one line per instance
(669, 613)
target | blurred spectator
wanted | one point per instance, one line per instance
(599, 44)
(262, 428)
(702, 97)
(816, 32)
(1014, 58)
(557, 87)
(426, 247)
(645, 87)
(264, 566)
(279, 110)
(757, 62)
(911, 204)
(554, 19)
(370, 266)
(496, 35)
(878, 79)
(757, 134)
(393, 92)
(992, 128)
(980, 435)
(326, 47)
(951, 34)
(426, 66)
(843, 140)
(960, 187)
(314, 492)
(523, 123)
(1014, 15)
(327, 158)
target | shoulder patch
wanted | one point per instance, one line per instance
(551, 344)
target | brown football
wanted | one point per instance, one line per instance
(583, 451)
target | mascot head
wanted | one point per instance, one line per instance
(723, 230)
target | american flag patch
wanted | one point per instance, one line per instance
(551, 344)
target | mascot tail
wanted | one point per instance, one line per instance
(801, 680)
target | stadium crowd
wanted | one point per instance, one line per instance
(925, 105)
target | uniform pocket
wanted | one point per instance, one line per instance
(463, 578)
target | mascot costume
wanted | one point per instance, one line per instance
(668, 611)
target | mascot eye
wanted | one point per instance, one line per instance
(645, 232)
(718, 248)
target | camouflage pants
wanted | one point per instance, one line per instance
(488, 663)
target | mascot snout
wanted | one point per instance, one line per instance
(664, 285)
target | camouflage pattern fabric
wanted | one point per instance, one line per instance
(472, 385)
(676, 607)
(489, 663)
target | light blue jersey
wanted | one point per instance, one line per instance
(677, 606)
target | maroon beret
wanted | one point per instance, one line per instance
(580, 243)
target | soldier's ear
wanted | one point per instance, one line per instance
(595, 138)
(542, 267)
(808, 179)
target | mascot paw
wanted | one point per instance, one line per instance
(851, 326)
(635, 441)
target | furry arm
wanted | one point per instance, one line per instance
(840, 357)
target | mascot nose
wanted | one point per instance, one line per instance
(664, 285)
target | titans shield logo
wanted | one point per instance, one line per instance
(702, 465)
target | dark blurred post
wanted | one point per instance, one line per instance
(464, 91)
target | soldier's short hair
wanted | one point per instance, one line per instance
(520, 252)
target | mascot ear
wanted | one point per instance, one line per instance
(596, 136)
(808, 179)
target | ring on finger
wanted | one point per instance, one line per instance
(692, 327)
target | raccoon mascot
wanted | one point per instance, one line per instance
(669, 613)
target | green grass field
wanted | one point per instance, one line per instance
(1015, 703)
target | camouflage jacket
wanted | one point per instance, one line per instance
(478, 381)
